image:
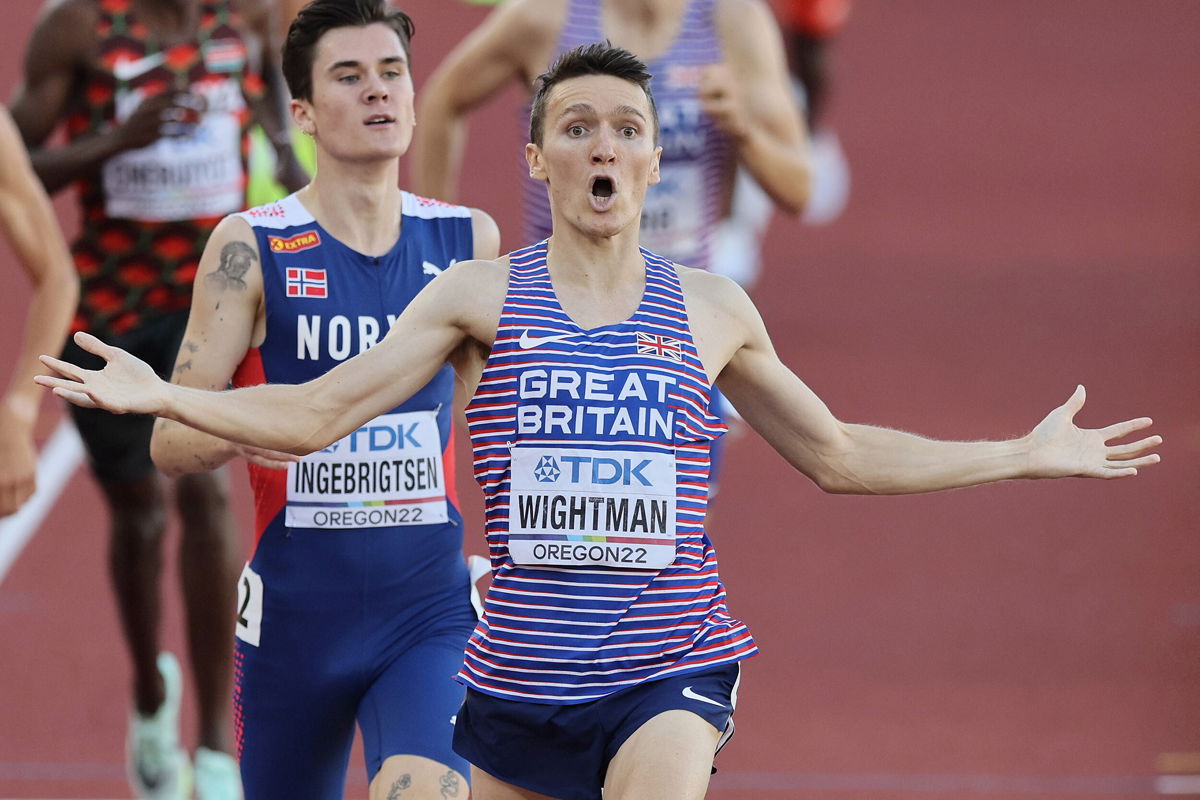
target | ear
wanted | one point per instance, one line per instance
(302, 115)
(655, 176)
(537, 166)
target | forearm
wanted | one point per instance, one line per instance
(180, 450)
(871, 460)
(438, 153)
(782, 170)
(46, 322)
(281, 417)
(57, 167)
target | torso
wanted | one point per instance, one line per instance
(147, 213)
(592, 450)
(325, 303)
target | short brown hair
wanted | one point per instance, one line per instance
(321, 16)
(599, 58)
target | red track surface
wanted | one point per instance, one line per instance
(1023, 218)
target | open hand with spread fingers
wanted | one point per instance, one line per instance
(126, 385)
(1059, 449)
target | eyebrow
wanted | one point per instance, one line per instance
(585, 108)
(353, 64)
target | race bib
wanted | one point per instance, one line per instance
(612, 508)
(181, 177)
(386, 473)
(674, 213)
(249, 607)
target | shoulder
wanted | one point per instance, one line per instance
(524, 30)
(708, 286)
(415, 205)
(479, 284)
(469, 295)
(233, 233)
(68, 27)
(55, 12)
(716, 298)
(480, 277)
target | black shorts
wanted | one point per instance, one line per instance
(564, 750)
(118, 445)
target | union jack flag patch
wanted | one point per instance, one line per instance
(306, 282)
(652, 344)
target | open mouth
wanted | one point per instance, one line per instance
(379, 119)
(602, 187)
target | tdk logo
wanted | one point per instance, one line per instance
(547, 470)
(607, 471)
(376, 438)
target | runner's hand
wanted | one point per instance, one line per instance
(1060, 449)
(18, 462)
(126, 385)
(173, 113)
(260, 456)
(721, 97)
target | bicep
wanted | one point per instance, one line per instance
(226, 301)
(774, 401)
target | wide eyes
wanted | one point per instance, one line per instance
(626, 131)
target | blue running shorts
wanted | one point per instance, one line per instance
(564, 750)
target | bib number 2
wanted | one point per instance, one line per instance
(249, 606)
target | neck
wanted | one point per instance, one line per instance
(359, 204)
(600, 262)
(598, 280)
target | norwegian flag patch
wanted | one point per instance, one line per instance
(306, 282)
(652, 344)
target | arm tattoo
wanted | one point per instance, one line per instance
(236, 260)
(402, 783)
(184, 366)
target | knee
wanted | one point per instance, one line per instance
(138, 521)
(417, 777)
(201, 499)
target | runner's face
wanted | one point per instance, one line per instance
(598, 153)
(362, 97)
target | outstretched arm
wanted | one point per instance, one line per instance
(29, 225)
(862, 459)
(464, 302)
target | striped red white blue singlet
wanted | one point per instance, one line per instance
(568, 426)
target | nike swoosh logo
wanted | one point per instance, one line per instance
(125, 70)
(690, 695)
(529, 342)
